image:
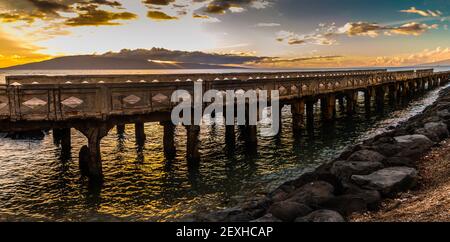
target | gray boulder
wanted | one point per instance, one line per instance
(322, 215)
(445, 114)
(349, 203)
(413, 146)
(345, 169)
(429, 134)
(279, 195)
(234, 214)
(287, 211)
(399, 161)
(438, 128)
(313, 193)
(387, 149)
(221, 215)
(384, 144)
(346, 204)
(366, 155)
(388, 181)
(431, 119)
(268, 218)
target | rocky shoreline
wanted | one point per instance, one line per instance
(428, 202)
(356, 181)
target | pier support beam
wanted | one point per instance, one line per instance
(392, 93)
(66, 142)
(230, 134)
(418, 85)
(341, 103)
(310, 111)
(427, 83)
(367, 99)
(297, 110)
(328, 106)
(90, 156)
(63, 137)
(423, 85)
(405, 90)
(351, 101)
(379, 98)
(140, 133)
(436, 81)
(192, 143)
(412, 88)
(430, 83)
(252, 135)
(250, 128)
(120, 128)
(169, 139)
(56, 136)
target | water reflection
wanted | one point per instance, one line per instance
(142, 183)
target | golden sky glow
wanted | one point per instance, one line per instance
(283, 33)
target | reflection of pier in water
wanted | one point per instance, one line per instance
(95, 104)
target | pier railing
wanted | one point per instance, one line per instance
(60, 98)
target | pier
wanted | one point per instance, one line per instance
(95, 104)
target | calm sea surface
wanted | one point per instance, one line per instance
(142, 185)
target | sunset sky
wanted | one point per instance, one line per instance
(284, 33)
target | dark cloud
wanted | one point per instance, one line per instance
(223, 6)
(209, 6)
(30, 10)
(87, 10)
(215, 8)
(200, 16)
(106, 2)
(91, 16)
(373, 29)
(158, 2)
(49, 7)
(158, 15)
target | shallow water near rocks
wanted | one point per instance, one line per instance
(142, 185)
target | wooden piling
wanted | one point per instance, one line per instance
(169, 139)
(192, 143)
(140, 133)
(120, 130)
(90, 156)
(297, 110)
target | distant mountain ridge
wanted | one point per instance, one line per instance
(438, 63)
(91, 62)
(155, 58)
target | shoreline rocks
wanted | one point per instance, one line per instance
(388, 181)
(356, 181)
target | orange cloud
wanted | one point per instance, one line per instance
(423, 57)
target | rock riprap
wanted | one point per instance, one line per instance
(388, 181)
(356, 181)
